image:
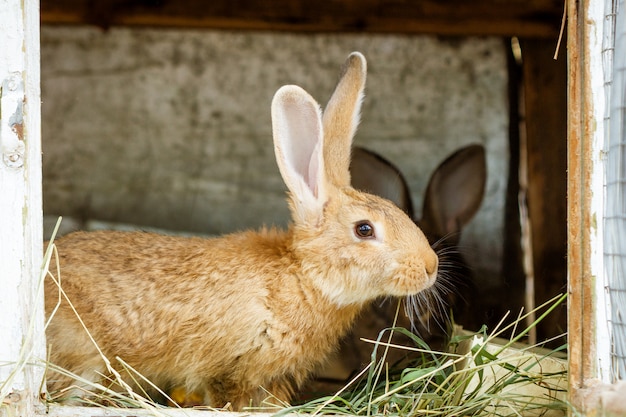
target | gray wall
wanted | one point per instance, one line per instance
(171, 128)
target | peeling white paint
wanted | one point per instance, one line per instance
(21, 307)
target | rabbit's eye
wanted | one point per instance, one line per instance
(364, 230)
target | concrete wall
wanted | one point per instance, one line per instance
(171, 128)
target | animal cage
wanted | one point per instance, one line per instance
(597, 204)
(614, 63)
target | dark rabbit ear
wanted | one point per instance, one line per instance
(374, 174)
(298, 144)
(341, 118)
(454, 193)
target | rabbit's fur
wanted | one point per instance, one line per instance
(237, 315)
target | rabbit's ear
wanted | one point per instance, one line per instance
(374, 174)
(341, 118)
(298, 144)
(455, 192)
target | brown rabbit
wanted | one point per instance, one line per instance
(453, 196)
(252, 313)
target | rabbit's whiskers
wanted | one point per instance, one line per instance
(433, 304)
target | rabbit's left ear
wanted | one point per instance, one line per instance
(341, 118)
(298, 144)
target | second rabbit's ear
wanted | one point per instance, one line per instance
(298, 144)
(454, 193)
(341, 118)
(374, 174)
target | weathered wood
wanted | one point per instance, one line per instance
(527, 18)
(21, 306)
(545, 86)
(589, 358)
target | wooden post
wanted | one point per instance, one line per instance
(589, 345)
(21, 301)
(545, 93)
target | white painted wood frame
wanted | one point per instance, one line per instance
(21, 301)
(21, 304)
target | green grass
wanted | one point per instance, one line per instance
(478, 374)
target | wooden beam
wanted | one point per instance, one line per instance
(523, 18)
(545, 94)
(590, 349)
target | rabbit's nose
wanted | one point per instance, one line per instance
(431, 264)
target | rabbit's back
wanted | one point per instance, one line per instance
(136, 280)
(188, 311)
(161, 303)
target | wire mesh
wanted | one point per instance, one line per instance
(614, 60)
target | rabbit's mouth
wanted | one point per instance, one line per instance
(415, 277)
(407, 286)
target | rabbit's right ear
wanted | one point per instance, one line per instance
(341, 118)
(298, 144)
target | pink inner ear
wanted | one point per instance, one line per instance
(306, 146)
(314, 171)
(298, 133)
